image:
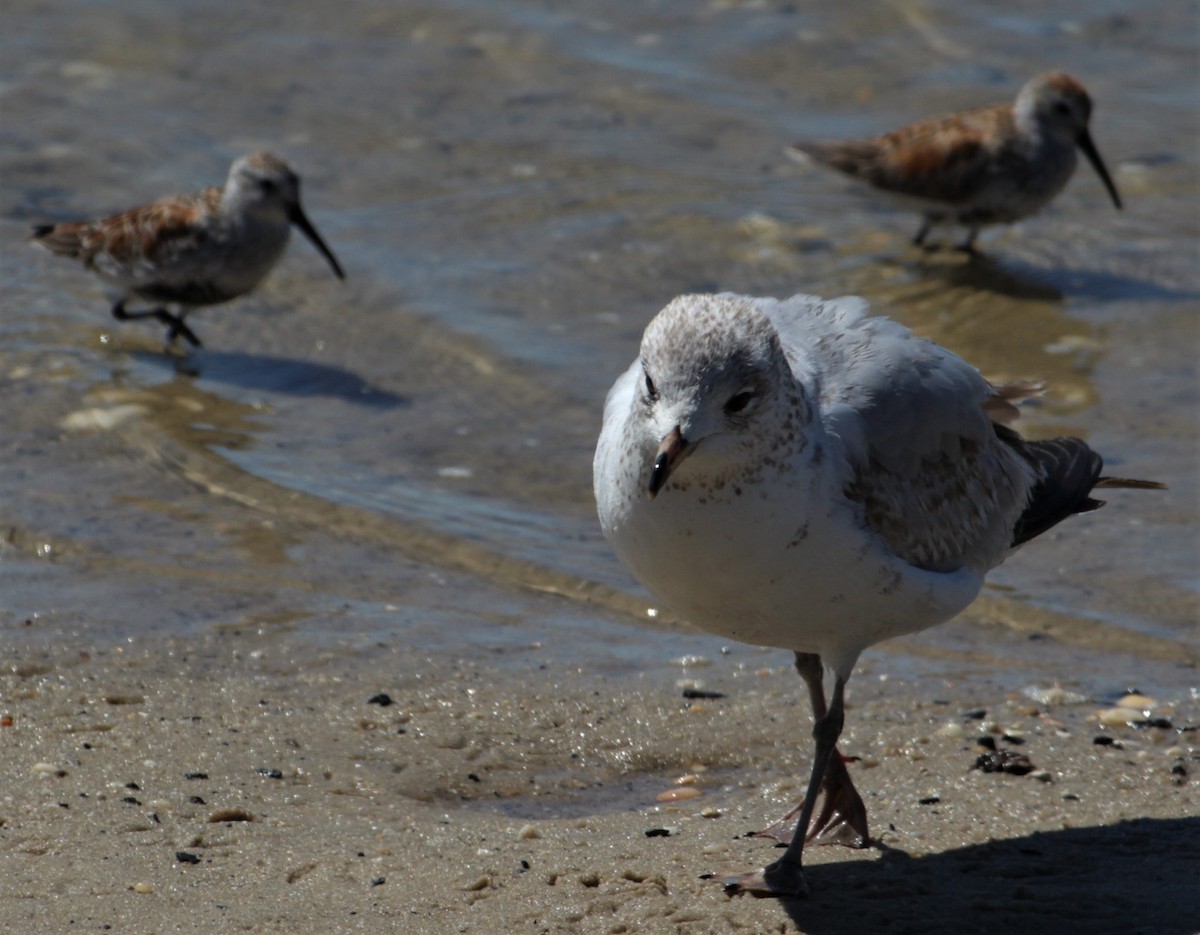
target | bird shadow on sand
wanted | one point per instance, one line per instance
(1018, 280)
(1137, 876)
(283, 375)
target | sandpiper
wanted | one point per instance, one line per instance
(803, 475)
(191, 250)
(990, 165)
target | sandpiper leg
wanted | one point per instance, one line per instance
(179, 328)
(968, 245)
(175, 323)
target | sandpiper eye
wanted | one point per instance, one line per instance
(267, 185)
(739, 402)
(651, 389)
(1062, 108)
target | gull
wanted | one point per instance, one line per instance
(803, 475)
(191, 250)
(990, 165)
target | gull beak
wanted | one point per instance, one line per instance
(297, 216)
(671, 452)
(1084, 141)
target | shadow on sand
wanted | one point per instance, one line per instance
(284, 375)
(1139, 877)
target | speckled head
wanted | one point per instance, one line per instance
(696, 343)
(712, 368)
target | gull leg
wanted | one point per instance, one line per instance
(923, 232)
(842, 818)
(785, 877)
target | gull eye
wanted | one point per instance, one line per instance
(651, 389)
(1063, 109)
(267, 186)
(739, 402)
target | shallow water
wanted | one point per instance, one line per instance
(515, 188)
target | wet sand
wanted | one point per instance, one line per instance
(243, 782)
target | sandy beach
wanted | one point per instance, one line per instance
(242, 783)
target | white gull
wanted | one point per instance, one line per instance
(800, 474)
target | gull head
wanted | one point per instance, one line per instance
(712, 374)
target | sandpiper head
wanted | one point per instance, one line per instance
(1060, 106)
(266, 183)
(708, 379)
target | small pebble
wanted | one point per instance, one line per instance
(120, 699)
(48, 769)
(657, 833)
(480, 884)
(229, 814)
(1136, 700)
(270, 772)
(185, 858)
(1119, 716)
(142, 888)
(710, 812)
(528, 833)
(1054, 694)
(1004, 761)
(678, 795)
(383, 699)
(590, 879)
(698, 693)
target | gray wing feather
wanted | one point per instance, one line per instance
(927, 470)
